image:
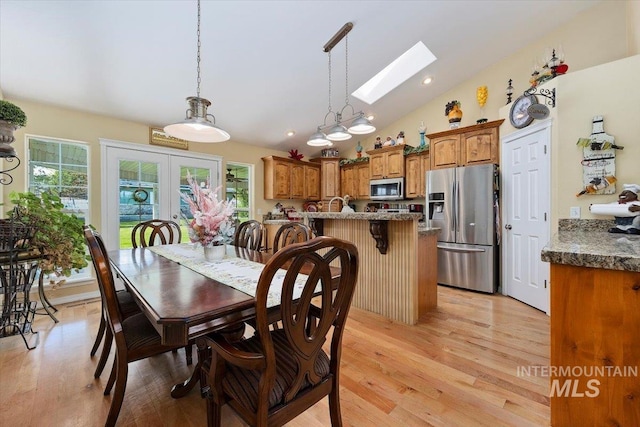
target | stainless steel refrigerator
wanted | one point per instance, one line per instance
(462, 202)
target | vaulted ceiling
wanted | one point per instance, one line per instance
(262, 63)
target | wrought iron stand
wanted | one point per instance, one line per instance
(18, 269)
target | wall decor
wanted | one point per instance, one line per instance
(599, 161)
(518, 115)
(159, 137)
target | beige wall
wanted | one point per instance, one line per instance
(609, 90)
(46, 120)
(598, 35)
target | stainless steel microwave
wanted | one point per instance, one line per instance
(386, 189)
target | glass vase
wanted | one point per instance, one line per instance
(214, 252)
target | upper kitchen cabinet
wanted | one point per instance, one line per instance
(386, 162)
(416, 165)
(471, 145)
(290, 179)
(330, 177)
(354, 180)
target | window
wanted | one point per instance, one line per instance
(238, 180)
(61, 166)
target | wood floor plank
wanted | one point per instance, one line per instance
(457, 367)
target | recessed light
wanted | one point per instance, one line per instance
(427, 80)
(291, 132)
(371, 117)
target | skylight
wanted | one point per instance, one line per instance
(396, 73)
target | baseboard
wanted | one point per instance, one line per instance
(67, 299)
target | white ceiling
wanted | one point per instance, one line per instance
(262, 63)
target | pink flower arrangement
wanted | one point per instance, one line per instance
(211, 224)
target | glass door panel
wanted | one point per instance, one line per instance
(146, 185)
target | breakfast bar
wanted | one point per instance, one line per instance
(398, 260)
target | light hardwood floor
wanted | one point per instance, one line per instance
(457, 367)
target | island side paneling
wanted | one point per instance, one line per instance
(387, 284)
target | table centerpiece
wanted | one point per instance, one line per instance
(210, 225)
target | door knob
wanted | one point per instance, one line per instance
(508, 226)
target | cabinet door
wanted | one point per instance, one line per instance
(348, 181)
(362, 179)
(395, 164)
(282, 180)
(413, 172)
(330, 179)
(376, 166)
(425, 166)
(312, 182)
(480, 146)
(444, 151)
(297, 181)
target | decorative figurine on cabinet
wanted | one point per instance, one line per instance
(422, 129)
(400, 139)
(378, 143)
(358, 150)
(389, 142)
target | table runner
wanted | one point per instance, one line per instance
(240, 274)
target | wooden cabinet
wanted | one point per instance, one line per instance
(354, 180)
(312, 182)
(471, 145)
(329, 177)
(386, 162)
(290, 179)
(416, 166)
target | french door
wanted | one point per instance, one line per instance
(141, 184)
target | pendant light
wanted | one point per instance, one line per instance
(360, 125)
(197, 125)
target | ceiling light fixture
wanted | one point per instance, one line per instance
(427, 80)
(197, 125)
(360, 124)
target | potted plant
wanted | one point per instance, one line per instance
(11, 118)
(58, 238)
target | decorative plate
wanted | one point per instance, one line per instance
(310, 207)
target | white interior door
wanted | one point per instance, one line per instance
(526, 208)
(139, 185)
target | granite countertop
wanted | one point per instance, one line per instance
(277, 221)
(425, 230)
(593, 247)
(364, 216)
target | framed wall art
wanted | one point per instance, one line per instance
(158, 137)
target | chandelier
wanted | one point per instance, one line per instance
(337, 131)
(198, 126)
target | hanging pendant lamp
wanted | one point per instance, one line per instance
(198, 126)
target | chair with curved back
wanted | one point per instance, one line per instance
(155, 232)
(135, 336)
(287, 234)
(274, 376)
(249, 235)
(159, 232)
(144, 234)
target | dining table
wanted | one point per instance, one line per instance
(185, 296)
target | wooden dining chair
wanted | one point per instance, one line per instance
(144, 234)
(135, 336)
(249, 235)
(274, 376)
(287, 234)
(155, 232)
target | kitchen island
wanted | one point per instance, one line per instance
(397, 256)
(595, 325)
